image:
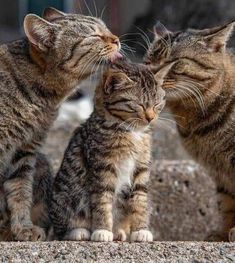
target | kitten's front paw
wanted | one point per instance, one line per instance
(120, 235)
(232, 235)
(102, 235)
(78, 234)
(141, 236)
(32, 233)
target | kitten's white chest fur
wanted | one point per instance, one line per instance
(126, 167)
(125, 170)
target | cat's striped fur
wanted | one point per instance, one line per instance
(200, 90)
(101, 188)
(36, 75)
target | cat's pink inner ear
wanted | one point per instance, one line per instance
(38, 31)
(50, 13)
(218, 37)
(160, 30)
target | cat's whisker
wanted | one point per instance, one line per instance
(171, 121)
(144, 36)
(102, 12)
(95, 7)
(87, 7)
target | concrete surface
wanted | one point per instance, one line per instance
(167, 252)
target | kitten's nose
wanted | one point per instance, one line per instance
(149, 115)
(149, 118)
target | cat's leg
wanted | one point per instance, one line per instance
(102, 196)
(42, 189)
(70, 206)
(226, 203)
(121, 215)
(227, 209)
(139, 208)
(18, 188)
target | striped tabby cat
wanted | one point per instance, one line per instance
(102, 185)
(200, 92)
(37, 74)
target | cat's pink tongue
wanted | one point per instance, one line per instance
(116, 56)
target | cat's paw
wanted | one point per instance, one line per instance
(32, 233)
(142, 235)
(102, 235)
(78, 234)
(232, 235)
(120, 235)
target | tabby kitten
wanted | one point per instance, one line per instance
(37, 74)
(102, 185)
(200, 92)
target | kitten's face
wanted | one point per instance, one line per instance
(131, 96)
(74, 43)
(197, 57)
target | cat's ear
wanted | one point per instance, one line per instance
(217, 38)
(39, 32)
(160, 73)
(160, 31)
(50, 13)
(116, 80)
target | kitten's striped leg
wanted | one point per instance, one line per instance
(18, 189)
(122, 216)
(102, 196)
(139, 207)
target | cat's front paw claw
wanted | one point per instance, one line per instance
(78, 234)
(33, 233)
(232, 235)
(141, 236)
(102, 235)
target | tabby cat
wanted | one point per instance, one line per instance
(200, 92)
(102, 185)
(37, 74)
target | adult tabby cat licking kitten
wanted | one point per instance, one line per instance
(102, 184)
(37, 74)
(204, 70)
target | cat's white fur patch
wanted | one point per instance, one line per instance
(138, 135)
(125, 169)
(102, 235)
(78, 234)
(141, 236)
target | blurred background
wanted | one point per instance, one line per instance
(184, 202)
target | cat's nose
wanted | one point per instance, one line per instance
(149, 118)
(149, 115)
(115, 40)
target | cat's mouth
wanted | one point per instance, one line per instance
(115, 56)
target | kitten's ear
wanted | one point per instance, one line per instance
(160, 30)
(116, 80)
(40, 32)
(50, 13)
(217, 38)
(161, 73)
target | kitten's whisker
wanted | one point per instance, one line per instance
(171, 121)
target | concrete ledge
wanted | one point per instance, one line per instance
(172, 252)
